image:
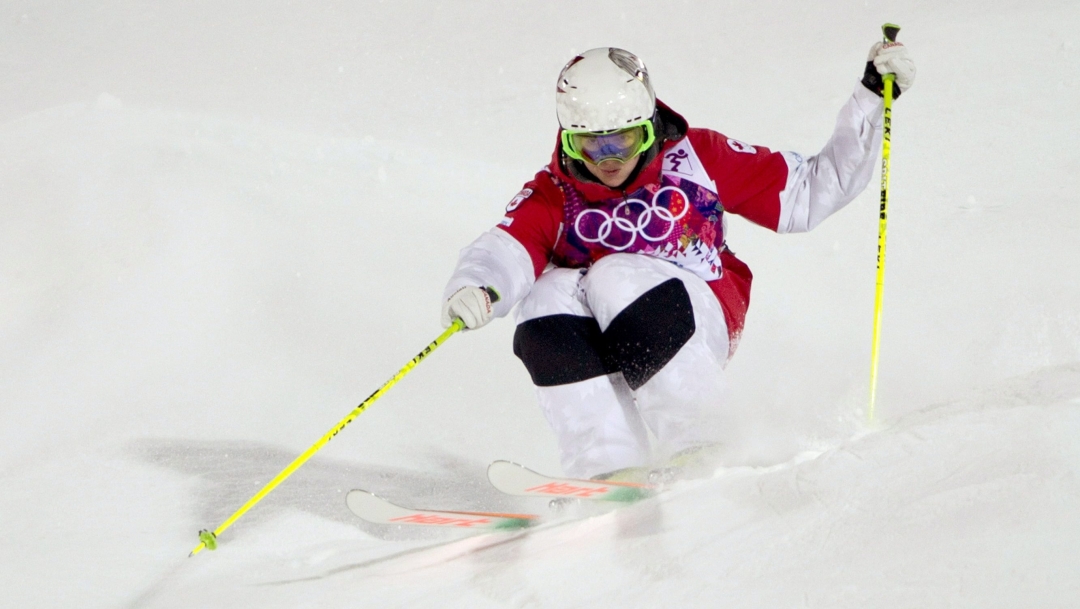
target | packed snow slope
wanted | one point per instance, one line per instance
(222, 226)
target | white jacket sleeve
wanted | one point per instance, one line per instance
(821, 185)
(495, 260)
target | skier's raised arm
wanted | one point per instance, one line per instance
(790, 193)
(826, 182)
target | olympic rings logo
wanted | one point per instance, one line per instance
(633, 228)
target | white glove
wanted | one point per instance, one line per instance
(473, 305)
(889, 58)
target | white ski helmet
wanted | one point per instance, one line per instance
(604, 89)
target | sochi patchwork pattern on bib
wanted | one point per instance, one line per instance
(679, 220)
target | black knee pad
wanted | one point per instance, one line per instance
(561, 349)
(645, 335)
(642, 339)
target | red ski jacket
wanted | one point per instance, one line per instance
(675, 208)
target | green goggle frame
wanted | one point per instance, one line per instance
(571, 151)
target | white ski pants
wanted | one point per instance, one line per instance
(655, 324)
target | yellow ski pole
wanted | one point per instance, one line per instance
(890, 31)
(208, 539)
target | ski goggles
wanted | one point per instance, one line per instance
(620, 145)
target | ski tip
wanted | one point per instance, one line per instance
(502, 467)
(358, 501)
(359, 495)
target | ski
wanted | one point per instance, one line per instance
(375, 509)
(518, 480)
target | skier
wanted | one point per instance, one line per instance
(629, 300)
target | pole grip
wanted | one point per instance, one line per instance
(890, 30)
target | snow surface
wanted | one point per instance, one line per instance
(222, 225)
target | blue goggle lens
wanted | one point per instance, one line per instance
(621, 145)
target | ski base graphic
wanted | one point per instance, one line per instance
(518, 480)
(375, 509)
